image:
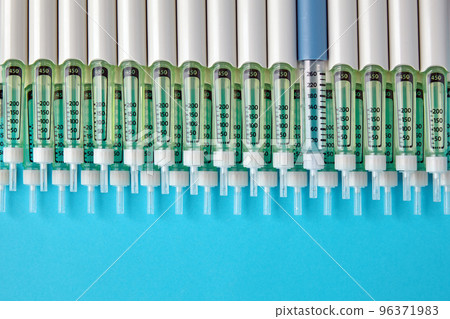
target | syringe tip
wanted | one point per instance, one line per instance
(61, 199)
(43, 177)
(134, 179)
(357, 207)
(223, 181)
(436, 187)
(266, 203)
(283, 182)
(447, 200)
(33, 206)
(12, 177)
(253, 182)
(103, 178)
(406, 186)
(375, 185)
(345, 185)
(418, 201)
(193, 180)
(165, 179)
(2, 199)
(179, 201)
(207, 201)
(327, 202)
(119, 200)
(150, 200)
(237, 201)
(73, 177)
(91, 200)
(297, 201)
(313, 183)
(387, 201)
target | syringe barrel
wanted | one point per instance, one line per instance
(343, 85)
(404, 89)
(374, 88)
(435, 100)
(14, 100)
(224, 108)
(133, 96)
(73, 75)
(254, 109)
(102, 77)
(193, 80)
(163, 74)
(283, 77)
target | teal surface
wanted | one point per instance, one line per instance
(47, 256)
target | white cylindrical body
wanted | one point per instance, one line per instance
(373, 33)
(403, 34)
(388, 179)
(221, 31)
(208, 178)
(102, 37)
(43, 30)
(342, 33)
(14, 30)
(90, 178)
(31, 177)
(150, 178)
(238, 178)
(358, 179)
(131, 31)
(327, 179)
(434, 37)
(191, 30)
(281, 32)
(119, 178)
(297, 179)
(179, 178)
(60, 177)
(251, 25)
(72, 30)
(267, 178)
(161, 31)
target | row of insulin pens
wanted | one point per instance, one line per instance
(178, 90)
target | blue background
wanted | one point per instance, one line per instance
(49, 256)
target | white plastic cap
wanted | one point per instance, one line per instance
(72, 30)
(434, 38)
(327, 179)
(179, 178)
(406, 162)
(282, 32)
(133, 157)
(313, 161)
(14, 30)
(119, 178)
(73, 155)
(403, 33)
(345, 162)
(90, 177)
(224, 158)
(283, 160)
(342, 33)
(251, 25)
(102, 37)
(375, 162)
(164, 157)
(150, 178)
(221, 32)
(373, 33)
(297, 179)
(43, 30)
(238, 178)
(60, 177)
(191, 30)
(161, 31)
(267, 178)
(43, 155)
(419, 179)
(436, 164)
(131, 31)
(208, 178)
(193, 158)
(253, 159)
(31, 177)
(104, 156)
(388, 179)
(358, 179)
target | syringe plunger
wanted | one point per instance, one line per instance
(327, 202)
(193, 180)
(237, 209)
(32, 204)
(12, 177)
(164, 179)
(223, 180)
(375, 185)
(207, 201)
(266, 203)
(179, 201)
(134, 178)
(345, 184)
(283, 182)
(91, 200)
(446, 200)
(73, 182)
(357, 207)
(297, 201)
(387, 201)
(150, 200)
(418, 201)
(313, 183)
(119, 200)
(407, 186)
(253, 182)
(436, 187)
